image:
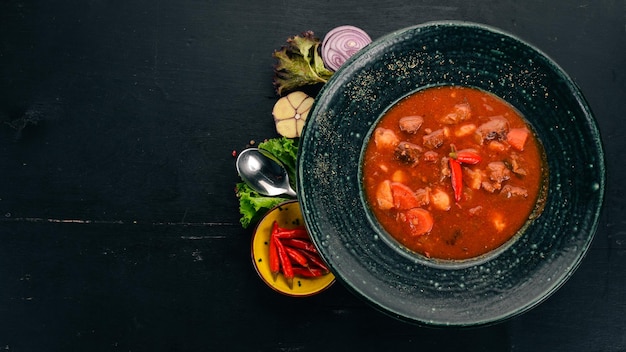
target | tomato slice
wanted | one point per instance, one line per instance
(403, 197)
(419, 221)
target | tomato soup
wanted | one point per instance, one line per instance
(454, 172)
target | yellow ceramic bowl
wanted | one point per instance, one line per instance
(287, 215)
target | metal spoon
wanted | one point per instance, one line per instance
(263, 173)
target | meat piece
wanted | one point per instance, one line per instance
(423, 196)
(385, 138)
(445, 168)
(460, 112)
(490, 187)
(434, 139)
(514, 191)
(431, 156)
(475, 210)
(498, 172)
(408, 153)
(516, 165)
(411, 124)
(494, 129)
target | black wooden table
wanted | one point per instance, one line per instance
(119, 228)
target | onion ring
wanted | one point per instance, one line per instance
(341, 43)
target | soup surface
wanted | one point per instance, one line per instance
(453, 172)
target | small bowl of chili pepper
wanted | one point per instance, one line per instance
(285, 257)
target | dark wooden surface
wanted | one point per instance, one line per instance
(118, 222)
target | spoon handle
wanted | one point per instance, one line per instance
(291, 193)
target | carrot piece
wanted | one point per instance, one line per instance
(517, 137)
(403, 197)
(420, 221)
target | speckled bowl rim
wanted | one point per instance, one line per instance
(397, 286)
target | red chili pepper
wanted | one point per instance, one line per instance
(285, 262)
(292, 233)
(297, 256)
(300, 227)
(308, 272)
(468, 157)
(465, 156)
(315, 259)
(456, 175)
(273, 252)
(300, 243)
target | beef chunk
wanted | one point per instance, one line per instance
(408, 153)
(494, 129)
(514, 191)
(489, 187)
(434, 139)
(444, 169)
(498, 172)
(516, 165)
(423, 196)
(411, 124)
(475, 210)
(431, 156)
(459, 113)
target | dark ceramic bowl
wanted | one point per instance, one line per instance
(407, 286)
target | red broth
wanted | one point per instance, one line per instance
(408, 176)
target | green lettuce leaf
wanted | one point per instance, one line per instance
(299, 64)
(253, 205)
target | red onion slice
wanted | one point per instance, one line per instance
(341, 43)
